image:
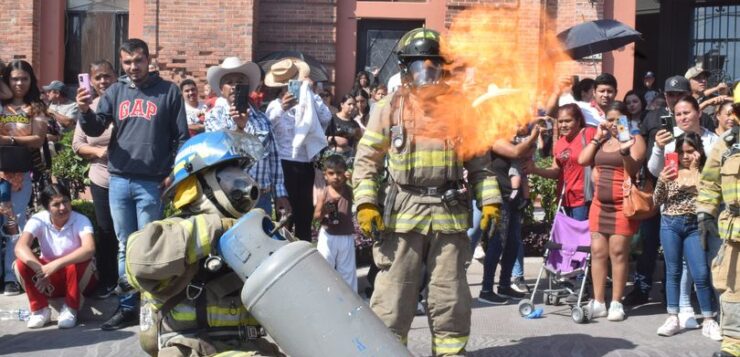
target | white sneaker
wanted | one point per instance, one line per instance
(687, 320)
(67, 318)
(39, 318)
(616, 311)
(598, 309)
(670, 326)
(479, 254)
(710, 328)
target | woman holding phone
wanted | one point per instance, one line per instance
(613, 161)
(24, 126)
(95, 150)
(676, 192)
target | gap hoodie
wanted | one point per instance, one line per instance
(149, 126)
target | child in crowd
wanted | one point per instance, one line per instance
(336, 241)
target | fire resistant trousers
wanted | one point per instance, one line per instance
(400, 258)
(726, 277)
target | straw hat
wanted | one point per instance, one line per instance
(284, 70)
(233, 65)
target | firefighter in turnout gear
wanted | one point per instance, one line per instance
(426, 209)
(720, 184)
(191, 302)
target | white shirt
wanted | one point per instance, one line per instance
(283, 126)
(56, 243)
(657, 157)
(194, 113)
(592, 115)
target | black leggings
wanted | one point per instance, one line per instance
(299, 178)
(106, 243)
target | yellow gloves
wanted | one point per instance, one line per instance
(368, 216)
(490, 214)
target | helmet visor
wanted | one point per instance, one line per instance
(425, 71)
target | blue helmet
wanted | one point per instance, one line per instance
(212, 149)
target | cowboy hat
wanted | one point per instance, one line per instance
(283, 71)
(233, 65)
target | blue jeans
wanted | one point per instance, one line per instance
(19, 201)
(265, 203)
(4, 191)
(650, 237)
(687, 283)
(503, 247)
(579, 213)
(474, 233)
(679, 236)
(133, 204)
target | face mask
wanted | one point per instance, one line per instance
(240, 189)
(424, 72)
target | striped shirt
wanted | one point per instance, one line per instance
(267, 172)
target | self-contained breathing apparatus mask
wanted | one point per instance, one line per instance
(424, 71)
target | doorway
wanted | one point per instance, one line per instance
(376, 40)
(94, 31)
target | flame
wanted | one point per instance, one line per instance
(492, 76)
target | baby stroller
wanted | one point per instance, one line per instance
(567, 255)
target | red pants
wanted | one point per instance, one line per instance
(69, 282)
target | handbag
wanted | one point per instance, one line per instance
(638, 203)
(15, 158)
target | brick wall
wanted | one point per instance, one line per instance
(20, 35)
(569, 13)
(308, 26)
(194, 35)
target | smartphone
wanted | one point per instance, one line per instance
(666, 123)
(623, 129)
(671, 160)
(83, 79)
(294, 87)
(241, 98)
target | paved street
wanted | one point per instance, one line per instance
(496, 331)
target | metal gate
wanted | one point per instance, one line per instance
(716, 41)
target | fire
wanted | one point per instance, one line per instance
(493, 77)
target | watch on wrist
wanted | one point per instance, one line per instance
(12, 140)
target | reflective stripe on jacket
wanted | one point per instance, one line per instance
(422, 161)
(720, 183)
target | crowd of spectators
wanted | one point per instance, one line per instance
(129, 129)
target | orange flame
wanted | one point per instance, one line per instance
(487, 48)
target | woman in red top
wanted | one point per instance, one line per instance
(611, 231)
(574, 136)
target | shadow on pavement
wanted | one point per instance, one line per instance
(51, 338)
(558, 345)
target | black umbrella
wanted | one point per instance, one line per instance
(318, 72)
(599, 36)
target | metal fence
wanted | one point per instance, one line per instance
(716, 41)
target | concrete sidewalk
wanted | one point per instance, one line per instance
(496, 331)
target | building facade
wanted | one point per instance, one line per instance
(187, 36)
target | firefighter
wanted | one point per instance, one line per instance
(426, 212)
(191, 300)
(720, 184)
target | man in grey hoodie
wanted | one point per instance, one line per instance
(149, 125)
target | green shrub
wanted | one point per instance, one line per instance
(88, 209)
(545, 190)
(536, 233)
(70, 167)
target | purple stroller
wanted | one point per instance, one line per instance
(567, 255)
